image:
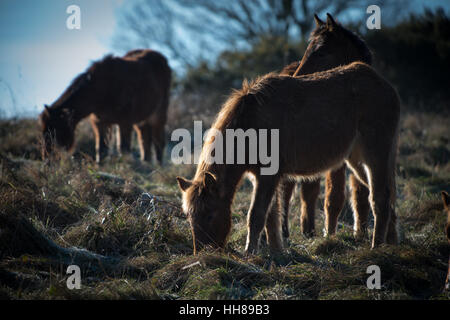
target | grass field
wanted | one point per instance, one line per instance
(71, 211)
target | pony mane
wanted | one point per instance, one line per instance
(81, 80)
(258, 90)
(359, 43)
(105, 59)
(76, 84)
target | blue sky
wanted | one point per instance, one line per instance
(39, 56)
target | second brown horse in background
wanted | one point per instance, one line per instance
(130, 91)
(331, 45)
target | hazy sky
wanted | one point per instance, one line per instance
(39, 56)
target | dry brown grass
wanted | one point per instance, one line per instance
(147, 254)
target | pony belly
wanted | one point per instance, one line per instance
(316, 156)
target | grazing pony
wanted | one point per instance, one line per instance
(345, 114)
(131, 91)
(446, 201)
(330, 45)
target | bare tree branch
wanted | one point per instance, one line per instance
(189, 29)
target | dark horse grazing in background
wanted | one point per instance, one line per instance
(347, 114)
(131, 91)
(331, 45)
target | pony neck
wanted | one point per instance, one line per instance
(80, 113)
(77, 111)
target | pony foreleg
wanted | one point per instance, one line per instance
(309, 193)
(281, 204)
(273, 230)
(124, 138)
(262, 195)
(287, 190)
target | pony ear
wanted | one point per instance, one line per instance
(445, 199)
(318, 22)
(331, 24)
(183, 183)
(209, 180)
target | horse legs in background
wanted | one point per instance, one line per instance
(144, 138)
(101, 131)
(124, 138)
(148, 135)
(334, 201)
(158, 136)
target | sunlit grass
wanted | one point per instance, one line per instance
(75, 203)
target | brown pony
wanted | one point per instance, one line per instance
(131, 91)
(330, 45)
(348, 113)
(446, 201)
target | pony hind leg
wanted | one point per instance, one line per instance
(334, 198)
(263, 193)
(360, 206)
(309, 192)
(379, 197)
(380, 168)
(382, 193)
(392, 234)
(158, 136)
